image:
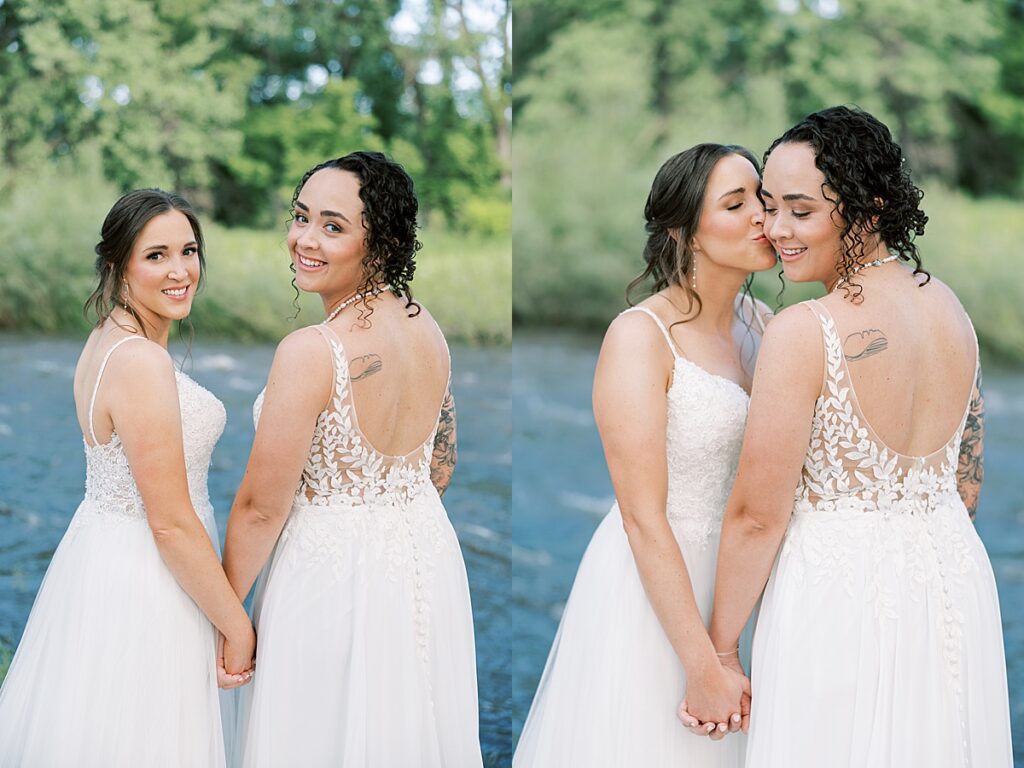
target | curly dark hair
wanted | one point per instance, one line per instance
(874, 194)
(675, 202)
(121, 228)
(389, 217)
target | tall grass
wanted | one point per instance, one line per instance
(49, 227)
(464, 280)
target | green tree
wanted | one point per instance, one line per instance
(152, 82)
(906, 62)
(284, 140)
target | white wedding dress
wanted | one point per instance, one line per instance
(116, 667)
(612, 683)
(365, 656)
(879, 641)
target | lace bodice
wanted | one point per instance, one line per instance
(706, 417)
(847, 466)
(343, 467)
(109, 484)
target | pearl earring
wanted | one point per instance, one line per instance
(693, 272)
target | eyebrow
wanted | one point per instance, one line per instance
(335, 214)
(790, 196)
(733, 192)
(189, 244)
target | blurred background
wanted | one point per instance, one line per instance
(229, 102)
(606, 90)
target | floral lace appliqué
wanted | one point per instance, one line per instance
(354, 502)
(861, 508)
(110, 488)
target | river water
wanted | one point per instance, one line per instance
(533, 403)
(561, 490)
(42, 471)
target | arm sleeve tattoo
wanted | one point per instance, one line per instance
(442, 463)
(970, 471)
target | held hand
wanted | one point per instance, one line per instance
(732, 662)
(715, 731)
(226, 681)
(716, 702)
(236, 662)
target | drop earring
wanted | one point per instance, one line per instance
(693, 272)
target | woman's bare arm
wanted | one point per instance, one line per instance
(786, 385)
(442, 462)
(631, 412)
(298, 388)
(970, 471)
(147, 418)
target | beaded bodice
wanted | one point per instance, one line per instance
(705, 421)
(848, 466)
(343, 467)
(109, 484)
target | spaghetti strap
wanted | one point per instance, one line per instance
(757, 315)
(337, 349)
(668, 337)
(96, 386)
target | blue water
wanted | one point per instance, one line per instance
(561, 490)
(42, 471)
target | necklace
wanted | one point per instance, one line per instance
(876, 263)
(353, 299)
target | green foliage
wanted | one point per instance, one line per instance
(142, 80)
(607, 98)
(583, 158)
(905, 62)
(283, 141)
(51, 223)
(230, 101)
(46, 271)
(490, 217)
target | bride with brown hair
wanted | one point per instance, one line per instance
(117, 663)
(670, 400)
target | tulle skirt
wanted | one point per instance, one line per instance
(612, 683)
(365, 656)
(116, 666)
(879, 644)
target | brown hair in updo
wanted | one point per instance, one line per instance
(121, 228)
(676, 202)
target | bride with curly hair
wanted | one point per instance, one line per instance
(879, 639)
(366, 652)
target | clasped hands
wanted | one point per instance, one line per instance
(236, 662)
(717, 700)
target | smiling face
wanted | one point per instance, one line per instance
(327, 239)
(163, 270)
(800, 221)
(730, 232)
